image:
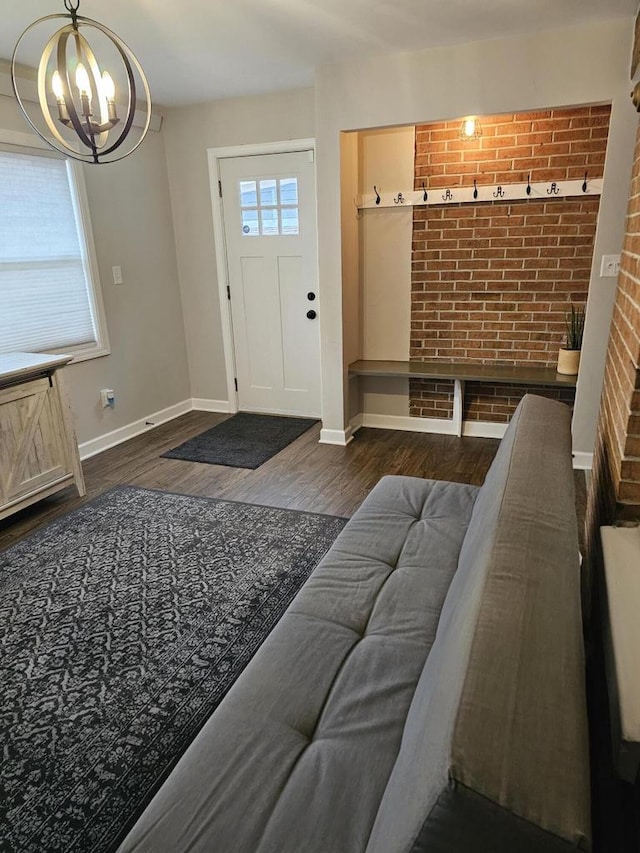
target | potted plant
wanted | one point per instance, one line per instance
(569, 356)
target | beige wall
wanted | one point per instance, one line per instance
(189, 132)
(386, 160)
(132, 227)
(556, 68)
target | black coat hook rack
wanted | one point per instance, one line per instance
(375, 189)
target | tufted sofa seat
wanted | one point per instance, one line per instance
(423, 692)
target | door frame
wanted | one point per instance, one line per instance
(215, 155)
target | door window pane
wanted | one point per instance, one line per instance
(290, 220)
(288, 191)
(269, 207)
(250, 223)
(269, 222)
(248, 193)
(268, 193)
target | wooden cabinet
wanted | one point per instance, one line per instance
(38, 447)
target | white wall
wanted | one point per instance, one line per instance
(189, 132)
(131, 217)
(564, 67)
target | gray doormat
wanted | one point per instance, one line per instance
(123, 625)
(243, 441)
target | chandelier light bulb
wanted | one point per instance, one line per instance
(108, 86)
(56, 85)
(82, 81)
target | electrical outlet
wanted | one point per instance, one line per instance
(117, 275)
(609, 266)
(107, 398)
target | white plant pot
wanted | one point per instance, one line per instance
(568, 361)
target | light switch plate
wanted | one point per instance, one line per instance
(117, 275)
(609, 266)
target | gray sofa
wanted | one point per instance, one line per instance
(424, 691)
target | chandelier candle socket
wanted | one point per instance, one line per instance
(85, 96)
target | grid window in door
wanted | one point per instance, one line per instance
(269, 207)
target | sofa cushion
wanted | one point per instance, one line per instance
(496, 735)
(298, 754)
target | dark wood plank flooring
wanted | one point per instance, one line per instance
(306, 475)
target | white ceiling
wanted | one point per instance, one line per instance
(201, 50)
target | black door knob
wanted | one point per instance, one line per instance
(311, 315)
(311, 296)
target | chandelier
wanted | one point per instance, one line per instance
(83, 117)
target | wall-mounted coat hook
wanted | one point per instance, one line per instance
(375, 189)
(499, 193)
(447, 195)
(475, 188)
(424, 192)
(584, 183)
(399, 199)
(554, 189)
(529, 184)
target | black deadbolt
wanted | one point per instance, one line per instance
(311, 315)
(311, 296)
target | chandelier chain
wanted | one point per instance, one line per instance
(72, 7)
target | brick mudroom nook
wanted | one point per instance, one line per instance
(491, 282)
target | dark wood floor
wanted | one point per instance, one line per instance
(306, 475)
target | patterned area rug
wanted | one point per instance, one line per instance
(242, 441)
(122, 626)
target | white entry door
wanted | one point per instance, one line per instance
(269, 211)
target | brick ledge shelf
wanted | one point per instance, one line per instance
(459, 372)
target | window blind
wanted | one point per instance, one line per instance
(44, 299)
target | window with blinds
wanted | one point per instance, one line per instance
(48, 289)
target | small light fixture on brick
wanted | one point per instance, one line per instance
(89, 124)
(470, 128)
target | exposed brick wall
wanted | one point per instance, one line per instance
(615, 485)
(492, 281)
(482, 401)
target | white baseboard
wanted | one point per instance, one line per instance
(438, 426)
(201, 404)
(583, 461)
(484, 429)
(442, 426)
(117, 436)
(341, 437)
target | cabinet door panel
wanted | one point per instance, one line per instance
(32, 452)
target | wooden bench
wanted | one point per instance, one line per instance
(461, 372)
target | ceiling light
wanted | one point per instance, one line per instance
(470, 128)
(89, 124)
